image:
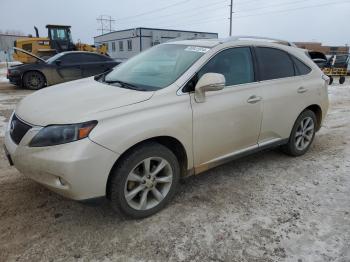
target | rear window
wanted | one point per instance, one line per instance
(274, 63)
(90, 58)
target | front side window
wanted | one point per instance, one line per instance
(235, 64)
(274, 63)
(121, 47)
(156, 68)
(71, 59)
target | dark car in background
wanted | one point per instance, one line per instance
(63, 67)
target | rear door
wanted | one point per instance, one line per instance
(69, 67)
(283, 93)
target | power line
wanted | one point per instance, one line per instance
(202, 21)
(187, 11)
(205, 21)
(293, 9)
(155, 10)
(276, 5)
(136, 17)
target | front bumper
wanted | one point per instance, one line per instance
(15, 79)
(77, 170)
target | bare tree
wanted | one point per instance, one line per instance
(12, 32)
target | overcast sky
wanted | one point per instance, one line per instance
(326, 21)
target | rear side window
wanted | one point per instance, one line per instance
(235, 64)
(274, 63)
(90, 58)
(300, 67)
(104, 58)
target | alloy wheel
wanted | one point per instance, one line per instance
(304, 133)
(148, 183)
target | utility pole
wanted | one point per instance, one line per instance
(105, 22)
(231, 17)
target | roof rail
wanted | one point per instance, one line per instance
(181, 38)
(240, 37)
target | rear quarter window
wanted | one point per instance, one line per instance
(300, 67)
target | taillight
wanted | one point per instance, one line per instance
(326, 78)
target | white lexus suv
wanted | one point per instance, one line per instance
(174, 110)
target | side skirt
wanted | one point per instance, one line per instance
(236, 155)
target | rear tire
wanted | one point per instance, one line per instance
(302, 134)
(34, 80)
(144, 181)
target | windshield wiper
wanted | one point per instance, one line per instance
(124, 85)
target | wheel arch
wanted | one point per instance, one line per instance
(171, 143)
(317, 110)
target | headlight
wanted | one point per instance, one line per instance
(61, 134)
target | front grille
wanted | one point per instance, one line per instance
(18, 129)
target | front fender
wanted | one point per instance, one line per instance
(160, 116)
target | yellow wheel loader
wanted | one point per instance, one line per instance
(59, 40)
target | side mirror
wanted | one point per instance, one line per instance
(58, 62)
(208, 82)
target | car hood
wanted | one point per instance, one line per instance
(29, 53)
(75, 102)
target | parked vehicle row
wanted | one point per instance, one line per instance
(63, 67)
(174, 110)
(333, 66)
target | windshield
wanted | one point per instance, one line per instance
(60, 34)
(155, 68)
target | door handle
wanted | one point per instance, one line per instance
(254, 99)
(302, 90)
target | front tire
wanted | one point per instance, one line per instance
(302, 134)
(34, 80)
(144, 181)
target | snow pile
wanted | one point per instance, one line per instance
(3, 70)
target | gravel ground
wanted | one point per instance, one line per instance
(266, 207)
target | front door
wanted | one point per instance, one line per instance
(70, 67)
(228, 122)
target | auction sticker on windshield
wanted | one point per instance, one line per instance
(197, 49)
